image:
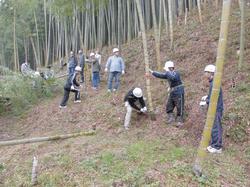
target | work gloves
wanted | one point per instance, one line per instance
(144, 109)
(203, 101)
(74, 88)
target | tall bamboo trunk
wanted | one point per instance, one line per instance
(14, 41)
(216, 88)
(242, 34)
(199, 10)
(157, 36)
(146, 57)
(170, 16)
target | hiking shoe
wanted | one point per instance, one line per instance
(62, 106)
(77, 101)
(170, 118)
(114, 90)
(109, 90)
(213, 150)
(179, 124)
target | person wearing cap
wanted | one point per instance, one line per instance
(132, 99)
(72, 63)
(176, 93)
(72, 85)
(115, 66)
(216, 136)
(81, 64)
(95, 66)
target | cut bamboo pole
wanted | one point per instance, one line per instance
(48, 138)
(201, 153)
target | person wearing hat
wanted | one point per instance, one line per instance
(95, 66)
(176, 93)
(132, 99)
(216, 136)
(115, 66)
(72, 63)
(72, 85)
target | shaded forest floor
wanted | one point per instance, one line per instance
(151, 153)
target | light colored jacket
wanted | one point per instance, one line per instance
(115, 63)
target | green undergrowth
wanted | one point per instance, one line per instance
(18, 93)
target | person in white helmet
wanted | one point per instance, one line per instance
(115, 66)
(72, 85)
(176, 94)
(132, 99)
(216, 136)
(95, 66)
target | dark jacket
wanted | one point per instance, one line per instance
(174, 80)
(220, 107)
(81, 60)
(72, 80)
(132, 100)
(95, 66)
(72, 62)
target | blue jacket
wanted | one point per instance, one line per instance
(174, 80)
(115, 63)
(220, 107)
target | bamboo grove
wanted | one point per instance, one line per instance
(45, 31)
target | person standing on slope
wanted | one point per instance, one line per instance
(176, 93)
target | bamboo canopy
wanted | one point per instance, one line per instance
(48, 138)
(216, 88)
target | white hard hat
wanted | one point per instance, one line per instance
(37, 73)
(92, 54)
(78, 68)
(115, 50)
(210, 68)
(137, 92)
(168, 64)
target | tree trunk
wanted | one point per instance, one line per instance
(48, 138)
(242, 34)
(216, 88)
(157, 37)
(146, 57)
(199, 10)
(170, 16)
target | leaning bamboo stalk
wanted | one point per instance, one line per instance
(215, 90)
(146, 58)
(48, 138)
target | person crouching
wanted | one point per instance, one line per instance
(72, 85)
(133, 96)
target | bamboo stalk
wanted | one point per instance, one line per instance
(47, 138)
(242, 34)
(201, 153)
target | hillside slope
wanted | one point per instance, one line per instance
(151, 153)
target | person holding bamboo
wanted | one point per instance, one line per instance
(216, 136)
(176, 93)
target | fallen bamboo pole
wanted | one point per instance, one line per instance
(48, 138)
